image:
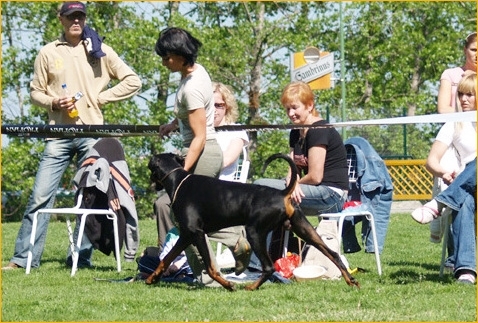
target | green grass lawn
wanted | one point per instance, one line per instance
(410, 288)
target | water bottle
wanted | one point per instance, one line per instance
(72, 113)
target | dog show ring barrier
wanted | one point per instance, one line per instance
(75, 248)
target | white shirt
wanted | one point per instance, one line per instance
(464, 141)
(224, 139)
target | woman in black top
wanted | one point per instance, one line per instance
(319, 153)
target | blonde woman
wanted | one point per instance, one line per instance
(231, 142)
(461, 135)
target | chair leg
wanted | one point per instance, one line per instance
(375, 244)
(219, 249)
(75, 254)
(339, 233)
(116, 237)
(286, 243)
(443, 250)
(32, 243)
(70, 235)
(369, 217)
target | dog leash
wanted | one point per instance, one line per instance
(177, 189)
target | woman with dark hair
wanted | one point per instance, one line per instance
(194, 104)
(194, 110)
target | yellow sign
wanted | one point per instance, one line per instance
(317, 74)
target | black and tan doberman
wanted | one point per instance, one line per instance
(203, 204)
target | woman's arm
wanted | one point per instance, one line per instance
(433, 162)
(166, 129)
(316, 162)
(315, 174)
(444, 97)
(232, 152)
(197, 122)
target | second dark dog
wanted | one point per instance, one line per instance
(203, 204)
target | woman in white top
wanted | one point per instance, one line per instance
(462, 136)
(446, 104)
(231, 142)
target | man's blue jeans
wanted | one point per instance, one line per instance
(56, 157)
(460, 197)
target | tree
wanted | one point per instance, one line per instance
(394, 55)
(395, 60)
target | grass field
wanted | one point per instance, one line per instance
(409, 290)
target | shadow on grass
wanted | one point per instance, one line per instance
(427, 266)
(418, 272)
(60, 263)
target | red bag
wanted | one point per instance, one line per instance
(286, 265)
(351, 204)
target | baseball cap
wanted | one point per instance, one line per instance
(69, 7)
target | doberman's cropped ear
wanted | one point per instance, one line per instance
(180, 160)
(153, 163)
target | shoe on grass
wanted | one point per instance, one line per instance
(468, 279)
(242, 254)
(10, 266)
(426, 213)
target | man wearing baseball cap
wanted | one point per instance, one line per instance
(70, 7)
(66, 61)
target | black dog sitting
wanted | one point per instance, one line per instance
(203, 204)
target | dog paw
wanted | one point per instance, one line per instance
(150, 280)
(354, 282)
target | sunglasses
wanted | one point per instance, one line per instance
(220, 105)
(75, 16)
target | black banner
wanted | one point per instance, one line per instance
(74, 131)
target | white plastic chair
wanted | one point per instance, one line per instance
(447, 218)
(341, 216)
(76, 210)
(242, 170)
(241, 174)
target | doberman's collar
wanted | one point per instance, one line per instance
(165, 176)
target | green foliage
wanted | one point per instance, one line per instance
(410, 289)
(394, 55)
(18, 177)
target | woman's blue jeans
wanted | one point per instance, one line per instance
(318, 198)
(460, 197)
(56, 157)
